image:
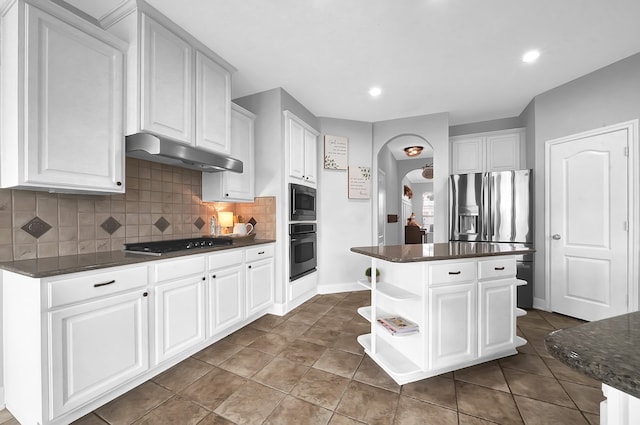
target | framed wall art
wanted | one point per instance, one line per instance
(335, 152)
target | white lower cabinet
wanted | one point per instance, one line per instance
(497, 325)
(179, 316)
(226, 291)
(75, 342)
(96, 346)
(260, 277)
(452, 318)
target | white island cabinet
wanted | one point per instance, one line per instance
(461, 296)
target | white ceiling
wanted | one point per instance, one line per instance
(429, 56)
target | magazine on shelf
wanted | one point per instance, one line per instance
(397, 325)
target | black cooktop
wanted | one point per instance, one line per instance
(161, 247)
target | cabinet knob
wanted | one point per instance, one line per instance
(118, 183)
(213, 277)
(226, 194)
(249, 266)
(556, 237)
(204, 278)
(145, 294)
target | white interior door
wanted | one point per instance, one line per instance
(588, 223)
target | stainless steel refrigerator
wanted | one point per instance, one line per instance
(495, 207)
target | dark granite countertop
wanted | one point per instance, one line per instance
(441, 251)
(607, 350)
(54, 266)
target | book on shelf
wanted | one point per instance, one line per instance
(397, 325)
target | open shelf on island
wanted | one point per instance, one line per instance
(366, 312)
(390, 291)
(520, 312)
(394, 363)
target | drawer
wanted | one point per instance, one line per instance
(225, 259)
(259, 252)
(85, 286)
(452, 272)
(496, 269)
(176, 269)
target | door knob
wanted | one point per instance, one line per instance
(556, 237)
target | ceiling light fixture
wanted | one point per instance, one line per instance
(375, 91)
(530, 56)
(413, 150)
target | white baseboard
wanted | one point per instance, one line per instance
(2, 405)
(334, 288)
(540, 304)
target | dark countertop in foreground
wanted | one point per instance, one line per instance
(607, 350)
(441, 251)
(54, 266)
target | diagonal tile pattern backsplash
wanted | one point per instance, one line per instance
(157, 196)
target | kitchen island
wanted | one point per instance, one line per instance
(459, 296)
(606, 350)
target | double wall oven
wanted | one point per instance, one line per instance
(303, 244)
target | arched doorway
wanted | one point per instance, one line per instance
(399, 170)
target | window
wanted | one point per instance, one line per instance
(427, 210)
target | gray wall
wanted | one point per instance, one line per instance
(607, 96)
(343, 223)
(435, 129)
(485, 126)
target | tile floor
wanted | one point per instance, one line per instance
(307, 368)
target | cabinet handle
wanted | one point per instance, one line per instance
(261, 252)
(498, 268)
(144, 294)
(97, 285)
(458, 272)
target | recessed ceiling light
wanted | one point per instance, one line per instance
(530, 56)
(375, 91)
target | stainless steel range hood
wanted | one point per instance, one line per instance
(153, 148)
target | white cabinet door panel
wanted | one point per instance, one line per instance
(166, 82)
(213, 105)
(310, 156)
(296, 149)
(75, 103)
(503, 152)
(260, 281)
(467, 155)
(179, 316)
(452, 317)
(96, 346)
(226, 298)
(497, 327)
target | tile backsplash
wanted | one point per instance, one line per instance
(161, 202)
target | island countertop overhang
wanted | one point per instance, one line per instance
(410, 253)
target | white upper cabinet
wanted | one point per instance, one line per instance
(495, 151)
(213, 101)
(301, 141)
(166, 82)
(229, 186)
(176, 87)
(62, 85)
